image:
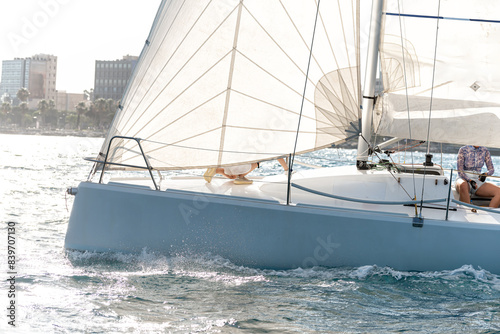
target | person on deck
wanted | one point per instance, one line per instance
(470, 180)
(237, 173)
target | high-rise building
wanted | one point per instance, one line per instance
(42, 77)
(111, 77)
(37, 74)
(15, 75)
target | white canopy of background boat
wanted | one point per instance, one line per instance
(227, 82)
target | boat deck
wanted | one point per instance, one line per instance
(343, 181)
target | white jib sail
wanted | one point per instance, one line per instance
(221, 82)
(466, 91)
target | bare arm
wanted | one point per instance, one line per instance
(461, 165)
(489, 163)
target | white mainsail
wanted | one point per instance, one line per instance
(221, 83)
(463, 84)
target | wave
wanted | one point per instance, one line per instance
(216, 268)
(466, 271)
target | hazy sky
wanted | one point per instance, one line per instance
(78, 32)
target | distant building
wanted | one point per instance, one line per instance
(68, 101)
(111, 77)
(42, 77)
(37, 74)
(15, 75)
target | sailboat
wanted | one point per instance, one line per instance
(230, 82)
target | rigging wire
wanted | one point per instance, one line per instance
(432, 94)
(405, 148)
(304, 92)
(384, 165)
(406, 90)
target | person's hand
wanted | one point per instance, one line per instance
(473, 184)
(482, 177)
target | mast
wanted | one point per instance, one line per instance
(369, 87)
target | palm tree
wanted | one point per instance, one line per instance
(7, 98)
(23, 94)
(51, 116)
(6, 107)
(52, 105)
(111, 108)
(43, 106)
(81, 108)
(24, 107)
(23, 111)
(100, 106)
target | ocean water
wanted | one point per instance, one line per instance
(73, 292)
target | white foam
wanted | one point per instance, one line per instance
(215, 268)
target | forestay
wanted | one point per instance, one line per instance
(221, 83)
(465, 92)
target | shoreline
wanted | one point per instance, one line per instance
(59, 132)
(435, 147)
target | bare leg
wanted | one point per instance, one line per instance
(463, 190)
(490, 190)
(283, 164)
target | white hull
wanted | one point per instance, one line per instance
(252, 226)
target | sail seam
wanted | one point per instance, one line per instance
(288, 56)
(153, 32)
(150, 38)
(345, 39)
(187, 113)
(118, 117)
(339, 98)
(229, 83)
(178, 96)
(187, 62)
(311, 55)
(276, 106)
(273, 76)
(271, 154)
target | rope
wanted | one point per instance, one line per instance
(366, 201)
